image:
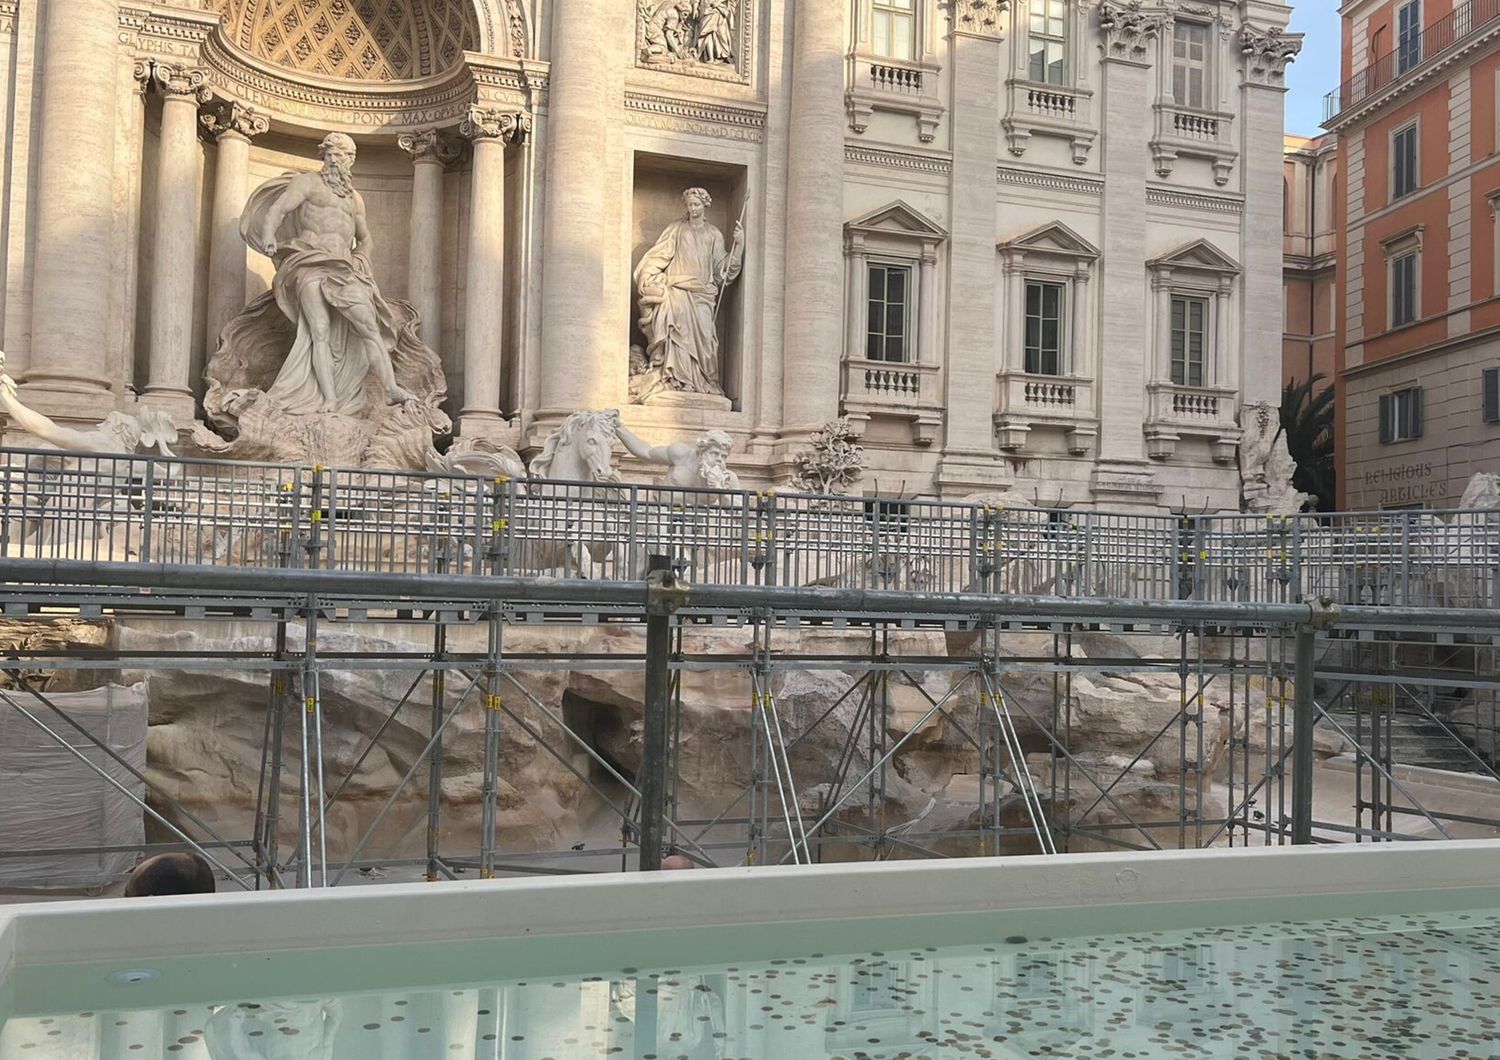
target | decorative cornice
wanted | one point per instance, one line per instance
(1187, 200)
(226, 117)
(1129, 31)
(978, 17)
(170, 31)
(706, 119)
(1032, 178)
(874, 156)
(1267, 54)
(173, 80)
(505, 126)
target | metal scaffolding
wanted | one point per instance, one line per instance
(1268, 633)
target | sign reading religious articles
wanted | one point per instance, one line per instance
(704, 38)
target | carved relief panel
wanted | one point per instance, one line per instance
(701, 38)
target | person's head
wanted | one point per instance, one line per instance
(337, 151)
(713, 458)
(677, 861)
(181, 873)
(697, 201)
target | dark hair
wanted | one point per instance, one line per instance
(184, 873)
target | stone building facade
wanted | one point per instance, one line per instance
(1029, 246)
(1418, 347)
(1309, 241)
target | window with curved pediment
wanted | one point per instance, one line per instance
(358, 40)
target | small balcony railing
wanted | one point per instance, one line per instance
(1025, 394)
(1205, 407)
(887, 77)
(890, 384)
(1448, 31)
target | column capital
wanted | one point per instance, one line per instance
(1268, 52)
(1129, 31)
(226, 117)
(429, 145)
(483, 123)
(173, 80)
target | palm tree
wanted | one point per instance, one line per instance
(1307, 422)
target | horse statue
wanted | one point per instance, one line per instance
(566, 519)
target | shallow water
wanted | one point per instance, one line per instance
(1399, 986)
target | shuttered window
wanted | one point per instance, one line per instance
(1401, 415)
(1490, 385)
(1408, 36)
(1403, 289)
(1189, 339)
(1404, 162)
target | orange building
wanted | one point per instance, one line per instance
(1417, 352)
(1308, 273)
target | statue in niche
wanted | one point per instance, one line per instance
(681, 282)
(322, 367)
(702, 465)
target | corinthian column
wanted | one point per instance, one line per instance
(430, 155)
(484, 302)
(168, 385)
(811, 336)
(232, 126)
(576, 332)
(75, 179)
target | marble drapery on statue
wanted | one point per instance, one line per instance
(322, 367)
(680, 282)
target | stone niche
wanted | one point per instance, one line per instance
(656, 201)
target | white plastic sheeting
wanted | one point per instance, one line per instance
(50, 799)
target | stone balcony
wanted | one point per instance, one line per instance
(1173, 411)
(890, 85)
(1029, 401)
(1194, 133)
(1063, 111)
(896, 390)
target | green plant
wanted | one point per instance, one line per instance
(1307, 422)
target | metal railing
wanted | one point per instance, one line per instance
(138, 509)
(1411, 53)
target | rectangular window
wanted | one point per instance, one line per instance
(1490, 386)
(1401, 415)
(1190, 64)
(1048, 37)
(1404, 162)
(1408, 36)
(896, 29)
(1189, 339)
(1044, 327)
(887, 332)
(1403, 289)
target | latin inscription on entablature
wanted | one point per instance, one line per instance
(704, 119)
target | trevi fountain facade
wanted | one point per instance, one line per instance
(1028, 249)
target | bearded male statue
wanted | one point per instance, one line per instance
(702, 465)
(313, 226)
(322, 367)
